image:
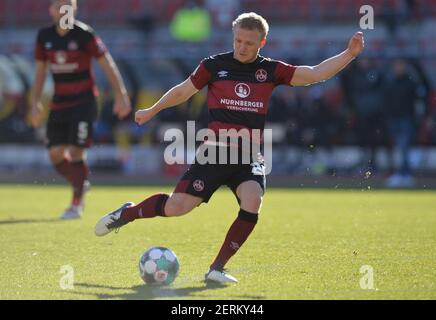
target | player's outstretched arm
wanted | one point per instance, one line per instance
(173, 97)
(306, 75)
(36, 106)
(122, 106)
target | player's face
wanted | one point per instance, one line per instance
(246, 44)
(55, 8)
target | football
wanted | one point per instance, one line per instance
(158, 266)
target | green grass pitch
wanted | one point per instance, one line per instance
(308, 244)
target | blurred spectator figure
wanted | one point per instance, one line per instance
(362, 84)
(389, 18)
(284, 106)
(14, 88)
(104, 127)
(407, 9)
(401, 94)
(283, 113)
(144, 22)
(398, 13)
(223, 12)
(191, 23)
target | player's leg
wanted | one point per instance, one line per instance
(179, 204)
(57, 137)
(57, 154)
(58, 141)
(189, 193)
(157, 205)
(250, 196)
(161, 204)
(248, 185)
(68, 167)
(60, 161)
(80, 133)
(79, 174)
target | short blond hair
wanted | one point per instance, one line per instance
(251, 21)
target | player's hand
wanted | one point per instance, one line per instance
(122, 106)
(37, 111)
(144, 115)
(356, 44)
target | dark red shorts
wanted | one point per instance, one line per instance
(72, 126)
(202, 180)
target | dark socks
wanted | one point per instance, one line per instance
(236, 236)
(79, 173)
(64, 169)
(151, 207)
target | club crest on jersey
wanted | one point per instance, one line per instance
(261, 75)
(48, 45)
(60, 57)
(198, 185)
(242, 90)
(73, 45)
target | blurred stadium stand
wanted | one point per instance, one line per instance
(23, 13)
(315, 128)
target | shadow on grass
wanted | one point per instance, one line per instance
(20, 221)
(145, 292)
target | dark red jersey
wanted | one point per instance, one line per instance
(69, 59)
(238, 94)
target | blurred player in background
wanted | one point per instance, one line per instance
(67, 52)
(240, 84)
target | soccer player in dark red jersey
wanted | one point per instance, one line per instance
(240, 84)
(67, 53)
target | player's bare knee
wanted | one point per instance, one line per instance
(175, 207)
(251, 203)
(179, 204)
(77, 154)
(250, 196)
(56, 155)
